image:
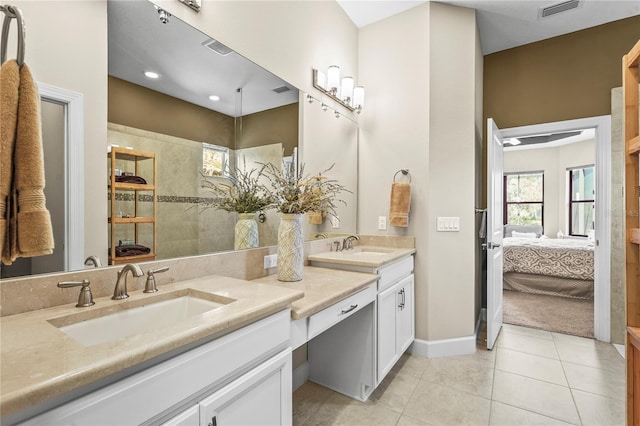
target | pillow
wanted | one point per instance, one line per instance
(516, 234)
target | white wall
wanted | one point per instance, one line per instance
(421, 114)
(66, 47)
(554, 162)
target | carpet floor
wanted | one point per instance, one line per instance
(551, 313)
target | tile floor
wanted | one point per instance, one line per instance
(532, 377)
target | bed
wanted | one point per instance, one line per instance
(557, 267)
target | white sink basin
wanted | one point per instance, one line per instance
(154, 314)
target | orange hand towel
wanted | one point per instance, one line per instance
(34, 231)
(400, 204)
(9, 84)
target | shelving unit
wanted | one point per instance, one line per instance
(630, 82)
(142, 164)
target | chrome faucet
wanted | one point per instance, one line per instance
(347, 244)
(120, 291)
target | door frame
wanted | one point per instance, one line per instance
(74, 172)
(602, 282)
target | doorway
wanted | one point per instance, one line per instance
(602, 234)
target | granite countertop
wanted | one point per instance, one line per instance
(366, 256)
(39, 362)
(322, 288)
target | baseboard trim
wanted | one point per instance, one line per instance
(300, 375)
(445, 347)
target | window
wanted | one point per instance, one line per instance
(582, 199)
(523, 198)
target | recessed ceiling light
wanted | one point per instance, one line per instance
(151, 74)
(214, 98)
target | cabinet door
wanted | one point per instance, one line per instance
(387, 305)
(405, 332)
(260, 397)
(190, 417)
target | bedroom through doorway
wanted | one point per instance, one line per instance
(555, 193)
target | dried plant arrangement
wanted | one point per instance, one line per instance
(243, 194)
(294, 192)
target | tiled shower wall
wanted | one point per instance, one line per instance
(185, 228)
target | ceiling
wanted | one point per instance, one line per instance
(504, 24)
(139, 42)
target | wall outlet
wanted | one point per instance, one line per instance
(335, 222)
(382, 223)
(270, 261)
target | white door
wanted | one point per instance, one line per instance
(494, 232)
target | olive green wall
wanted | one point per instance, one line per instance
(561, 78)
(136, 106)
(276, 125)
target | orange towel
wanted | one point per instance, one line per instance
(26, 224)
(9, 84)
(400, 204)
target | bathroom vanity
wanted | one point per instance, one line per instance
(229, 364)
(394, 295)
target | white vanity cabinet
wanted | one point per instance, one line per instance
(395, 324)
(241, 378)
(260, 397)
(395, 316)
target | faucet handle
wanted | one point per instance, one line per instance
(85, 299)
(150, 285)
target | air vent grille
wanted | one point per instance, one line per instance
(559, 8)
(281, 89)
(217, 47)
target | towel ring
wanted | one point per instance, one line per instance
(405, 172)
(11, 12)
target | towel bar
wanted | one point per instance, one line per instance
(11, 12)
(405, 172)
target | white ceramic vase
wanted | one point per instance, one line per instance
(246, 231)
(290, 248)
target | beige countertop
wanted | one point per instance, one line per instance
(39, 362)
(364, 256)
(322, 288)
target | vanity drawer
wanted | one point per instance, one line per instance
(392, 273)
(340, 310)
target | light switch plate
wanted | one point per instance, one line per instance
(448, 224)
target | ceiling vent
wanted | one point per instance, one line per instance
(281, 89)
(217, 47)
(558, 8)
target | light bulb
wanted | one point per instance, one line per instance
(333, 79)
(358, 98)
(346, 90)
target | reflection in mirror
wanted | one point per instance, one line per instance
(208, 107)
(329, 140)
(54, 147)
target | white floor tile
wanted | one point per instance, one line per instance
(596, 381)
(534, 395)
(506, 415)
(532, 366)
(528, 344)
(597, 410)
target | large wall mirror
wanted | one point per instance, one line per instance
(254, 117)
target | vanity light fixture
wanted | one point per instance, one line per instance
(341, 91)
(151, 74)
(163, 15)
(214, 98)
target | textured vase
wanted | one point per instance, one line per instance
(246, 231)
(290, 248)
